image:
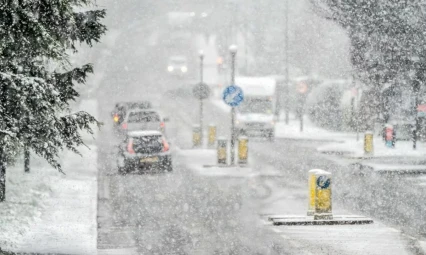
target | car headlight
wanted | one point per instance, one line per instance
(184, 69)
(170, 68)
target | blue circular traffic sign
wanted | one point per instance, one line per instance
(233, 95)
(323, 182)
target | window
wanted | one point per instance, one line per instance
(136, 117)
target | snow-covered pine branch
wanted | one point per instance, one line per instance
(34, 33)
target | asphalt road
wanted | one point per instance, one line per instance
(184, 213)
(176, 213)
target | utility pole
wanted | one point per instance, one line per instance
(416, 105)
(287, 86)
(233, 51)
(201, 55)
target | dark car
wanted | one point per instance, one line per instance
(144, 150)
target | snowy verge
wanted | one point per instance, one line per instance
(68, 220)
(355, 149)
(49, 212)
(26, 196)
(310, 131)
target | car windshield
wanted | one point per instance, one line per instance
(178, 62)
(213, 127)
(136, 117)
(263, 106)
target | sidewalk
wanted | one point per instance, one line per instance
(310, 131)
(350, 150)
(48, 212)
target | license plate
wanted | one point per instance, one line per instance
(149, 160)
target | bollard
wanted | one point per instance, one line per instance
(212, 135)
(196, 136)
(323, 201)
(368, 143)
(242, 150)
(311, 193)
(222, 151)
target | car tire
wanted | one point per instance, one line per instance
(122, 171)
(168, 166)
(121, 165)
(271, 136)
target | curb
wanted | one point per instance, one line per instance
(400, 169)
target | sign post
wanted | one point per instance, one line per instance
(302, 89)
(233, 96)
(201, 53)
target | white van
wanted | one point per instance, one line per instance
(255, 115)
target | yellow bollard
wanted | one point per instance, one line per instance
(222, 151)
(212, 135)
(323, 201)
(311, 194)
(368, 143)
(242, 150)
(196, 136)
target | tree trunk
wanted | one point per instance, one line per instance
(2, 176)
(26, 159)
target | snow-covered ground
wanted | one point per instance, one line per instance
(354, 148)
(49, 212)
(376, 238)
(310, 131)
(348, 145)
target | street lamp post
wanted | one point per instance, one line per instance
(233, 50)
(201, 55)
(287, 86)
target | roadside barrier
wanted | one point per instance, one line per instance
(196, 136)
(311, 193)
(368, 143)
(212, 135)
(323, 200)
(242, 150)
(319, 206)
(222, 151)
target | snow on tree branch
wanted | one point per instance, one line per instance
(33, 99)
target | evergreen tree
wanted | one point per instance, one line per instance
(387, 41)
(34, 99)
